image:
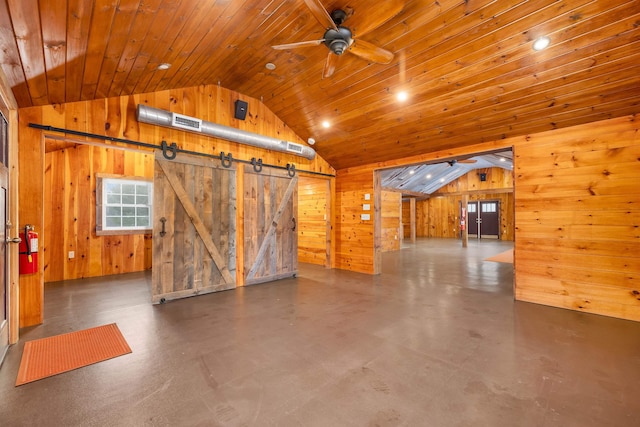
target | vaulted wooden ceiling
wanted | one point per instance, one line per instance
(468, 67)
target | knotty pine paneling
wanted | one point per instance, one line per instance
(355, 243)
(70, 180)
(116, 117)
(439, 216)
(578, 215)
(391, 220)
(576, 204)
(406, 219)
(313, 220)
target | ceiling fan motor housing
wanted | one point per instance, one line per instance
(338, 41)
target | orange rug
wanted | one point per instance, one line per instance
(506, 256)
(62, 353)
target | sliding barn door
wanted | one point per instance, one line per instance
(270, 225)
(194, 227)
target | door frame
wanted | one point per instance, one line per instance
(478, 203)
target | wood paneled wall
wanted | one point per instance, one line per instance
(314, 223)
(440, 216)
(578, 218)
(356, 246)
(116, 117)
(469, 183)
(70, 197)
(577, 215)
(391, 211)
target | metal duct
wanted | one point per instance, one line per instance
(168, 119)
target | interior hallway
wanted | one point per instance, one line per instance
(436, 340)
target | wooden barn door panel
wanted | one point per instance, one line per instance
(194, 228)
(270, 226)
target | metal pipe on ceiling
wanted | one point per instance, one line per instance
(171, 120)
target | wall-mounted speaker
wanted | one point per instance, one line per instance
(241, 110)
(483, 177)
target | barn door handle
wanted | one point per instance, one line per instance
(162, 232)
(294, 224)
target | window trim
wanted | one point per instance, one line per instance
(99, 206)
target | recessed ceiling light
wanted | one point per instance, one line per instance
(541, 43)
(270, 66)
(326, 124)
(311, 141)
(428, 176)
(502, 159)
(441, 179)
(402, 96)
(164, 66)
(411, 172)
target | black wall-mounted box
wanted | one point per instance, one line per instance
(241, 110)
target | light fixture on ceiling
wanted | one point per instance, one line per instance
(429, 176)
(441, 179)
(402, 96)
(164, 66)
(311, 141)
(541, 43)
(326, 124)
(270, 66)
(502, 159)
(411, 172)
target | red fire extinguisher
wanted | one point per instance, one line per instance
(28, 251)
(463, 219)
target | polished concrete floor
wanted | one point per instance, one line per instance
(436, 340)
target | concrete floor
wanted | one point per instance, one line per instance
(436, 340)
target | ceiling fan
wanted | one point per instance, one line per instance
(340, 39)
(454, 161)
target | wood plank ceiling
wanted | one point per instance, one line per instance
(468, 67)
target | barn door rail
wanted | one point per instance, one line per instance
(170, 151)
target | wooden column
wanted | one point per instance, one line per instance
(412, 218)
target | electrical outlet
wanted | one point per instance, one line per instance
(72, 254)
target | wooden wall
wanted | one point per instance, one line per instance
(116, 117)
(391, 211)
(577, 215)
(439, 216)
(578, 218)
(357, 247)
(314, 220)
(70, 197)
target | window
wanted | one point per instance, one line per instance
(489, 207)
(124, 205)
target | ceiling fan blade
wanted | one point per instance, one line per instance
(371, 52)
(330, 65)
(321, 14)
(467, 161)
(298, 44)
(364, 22)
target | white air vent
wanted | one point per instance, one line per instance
(294, 148)
(186, 122)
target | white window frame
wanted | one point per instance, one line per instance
(101, 205)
